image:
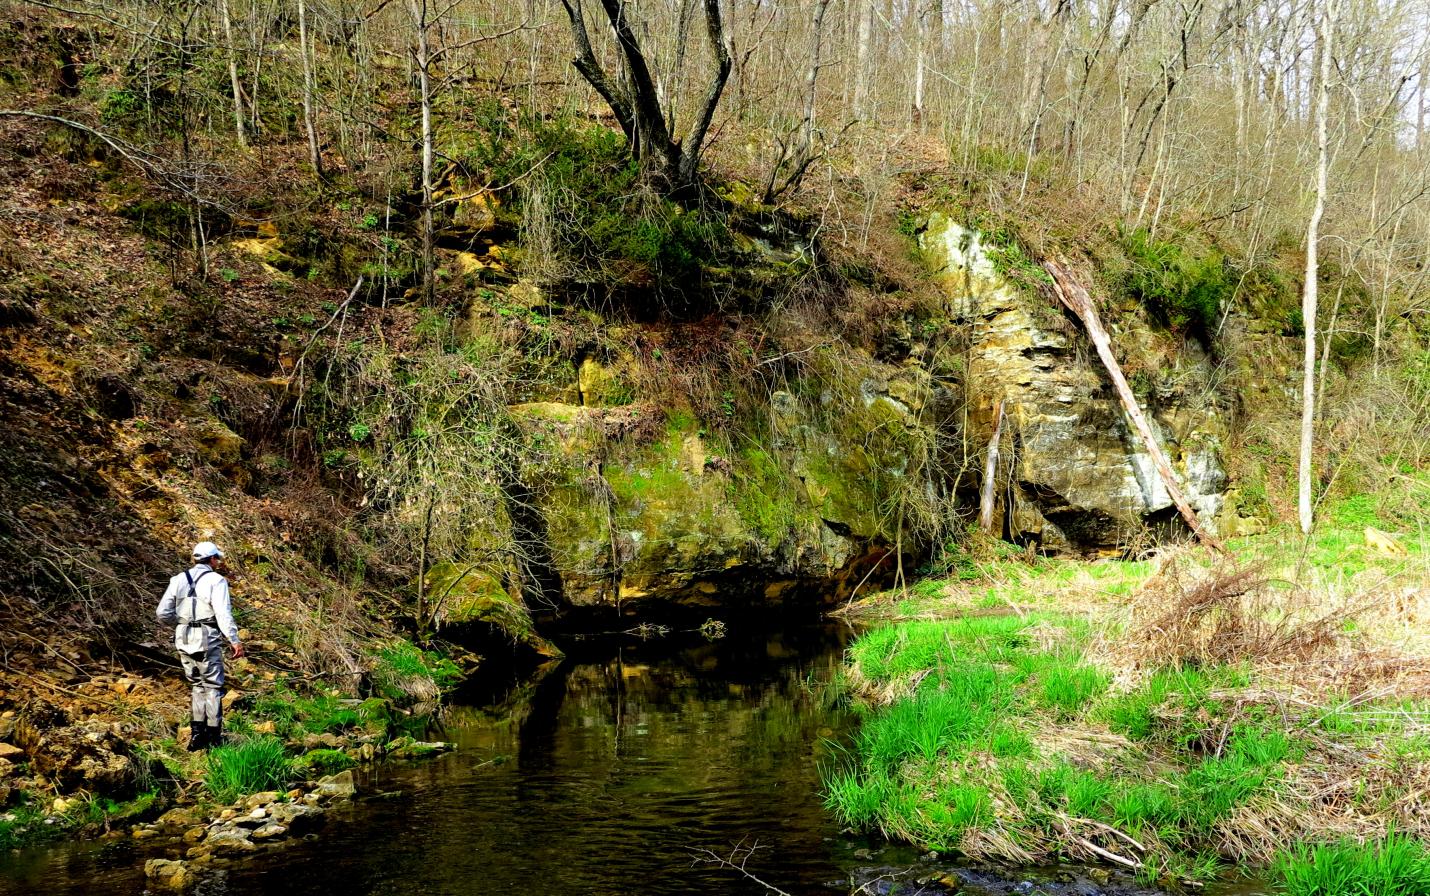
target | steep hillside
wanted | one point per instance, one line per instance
(600, 408)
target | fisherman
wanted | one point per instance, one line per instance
(197, 605)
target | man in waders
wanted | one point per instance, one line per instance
(197, 605)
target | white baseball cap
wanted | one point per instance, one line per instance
(206, 549)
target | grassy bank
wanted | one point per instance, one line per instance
(1176, 716)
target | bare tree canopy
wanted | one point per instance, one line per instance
(634, 97)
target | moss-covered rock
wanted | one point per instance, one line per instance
(468, 593)
(638, 506)
(323, 761)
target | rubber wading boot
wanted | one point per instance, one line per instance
(198, 737)
(214, 735)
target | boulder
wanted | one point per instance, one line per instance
(229, 841)
(324, 741)
(474, 213)
(418, 749)
(296, 817)
(340, 786)
(180, 817)
(222, 449)
(170, 874)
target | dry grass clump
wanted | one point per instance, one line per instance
(1227, 614)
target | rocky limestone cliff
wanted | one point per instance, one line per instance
(1074, 475)
(637, 507)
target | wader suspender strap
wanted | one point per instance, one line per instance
(194, 596)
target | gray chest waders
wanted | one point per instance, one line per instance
(200, 646)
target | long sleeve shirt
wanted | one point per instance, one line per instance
(213, 600)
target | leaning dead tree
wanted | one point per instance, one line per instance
(668, 161)
(1075, 298)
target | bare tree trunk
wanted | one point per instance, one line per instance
(990, 471)
(1308, 294)
(668, 161)
(1423, 105)
(233, 81)
(861, 59)
(1072, 295)
(422, 567)
(314, 156)
(795, 160)
(422, 59)
(920, 50)
(259, 30)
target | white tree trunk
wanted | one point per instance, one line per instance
(422, 58)
(233, 81)
(990, 471)
(1308, 294)
(309, 124)
(920, 48)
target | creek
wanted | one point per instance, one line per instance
(608, 774)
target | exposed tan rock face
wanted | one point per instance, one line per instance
(1079, 479)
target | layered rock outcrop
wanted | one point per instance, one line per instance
(1077, 477)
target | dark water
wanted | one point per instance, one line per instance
(605, 776)
(610, 774)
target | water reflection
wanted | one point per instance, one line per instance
(601, 776)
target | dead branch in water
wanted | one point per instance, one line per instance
(739, 855)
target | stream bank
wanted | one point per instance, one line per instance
(608, 774)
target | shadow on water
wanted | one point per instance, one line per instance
(603, 774)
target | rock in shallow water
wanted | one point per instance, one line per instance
(173, 875)
(269, 832)
(340, 786)
(231, 841)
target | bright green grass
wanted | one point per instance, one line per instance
(249, 766)
(1394, 866)
(960, 750)
(1066, 686)
(859, 797)
(24, 823)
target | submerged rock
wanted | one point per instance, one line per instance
(933, 880)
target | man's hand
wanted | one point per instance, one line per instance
(237, 651)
